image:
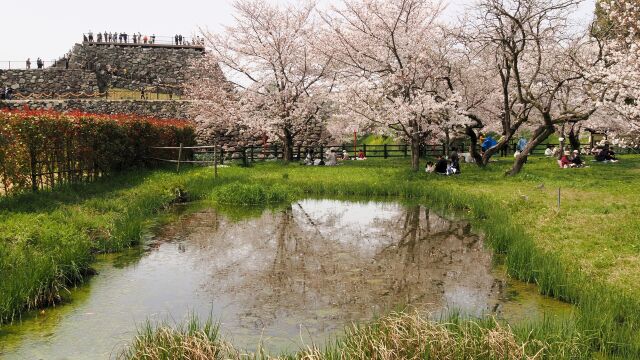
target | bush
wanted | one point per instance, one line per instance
(41, 149)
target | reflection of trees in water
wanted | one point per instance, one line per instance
(282, 267)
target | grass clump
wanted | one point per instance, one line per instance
(252, 194)
(193, 340)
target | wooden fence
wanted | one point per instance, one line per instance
(207, 155)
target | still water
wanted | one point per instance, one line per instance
(283, 278)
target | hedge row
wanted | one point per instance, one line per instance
(41, 149)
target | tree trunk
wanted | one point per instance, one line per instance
(473, 146)
(540, 135)
(563, 138)
(287, 150)
(494, 150)
(415, 152)
(447, 143)
(574, 138)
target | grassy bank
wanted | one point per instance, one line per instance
(47, 240)
(585, 253)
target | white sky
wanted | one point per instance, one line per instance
(50, 28)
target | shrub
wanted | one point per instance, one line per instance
(44, 148)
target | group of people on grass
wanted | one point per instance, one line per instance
(331, 157)
(571, 160)
(443, 166)
(574, 159)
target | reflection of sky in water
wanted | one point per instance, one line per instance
(309, 269)
(365, 225)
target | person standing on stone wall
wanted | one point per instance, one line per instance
(180, 38)
(90, 36)
(135, 38)
(143, 96)
(39, 63)
(28, 63)
(106, 36)
(99, 37)
(146, 39)
(153, 38)
(176, 39)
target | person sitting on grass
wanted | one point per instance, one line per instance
(361, 156)
(308, 160)
(451, 170)
(564, 161)
(549, 151)
(606, 155)
(455, 160)
(345, 155)
(430, 168)
(576, 160)
(331, 158)
(441, 165)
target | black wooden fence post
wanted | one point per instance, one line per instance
(34, 177)
(364, 149)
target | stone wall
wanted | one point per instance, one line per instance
(132, 67)
(160, 109)
(50, 83)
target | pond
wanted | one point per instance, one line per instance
(283, 278)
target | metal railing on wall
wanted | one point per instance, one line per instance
(22, 64)
(142, 40)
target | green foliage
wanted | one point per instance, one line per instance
(251, 194)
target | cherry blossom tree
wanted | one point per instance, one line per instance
(618, 28)
(215, 105)
(392, 65)
(280, 77)
(545, 66)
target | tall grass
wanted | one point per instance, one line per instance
(47, 240)
(193, 340)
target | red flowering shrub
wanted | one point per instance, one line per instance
(44, 148)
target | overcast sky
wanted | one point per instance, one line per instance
(50, 28)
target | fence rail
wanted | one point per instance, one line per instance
(151, 40)
(22, 64)
(247, 154)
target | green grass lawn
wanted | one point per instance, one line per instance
(587, 252)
